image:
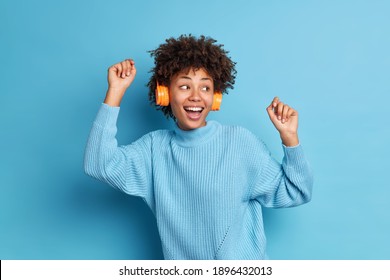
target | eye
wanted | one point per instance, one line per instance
(184, 87)
(205, 88)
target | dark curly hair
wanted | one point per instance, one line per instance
(185, 53)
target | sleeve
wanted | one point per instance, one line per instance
(127, 168)
(278, 185)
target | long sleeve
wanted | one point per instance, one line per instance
(206, 187)
(124, 167)
(283, 185)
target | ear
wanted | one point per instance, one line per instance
(217, 100)
(162, 95)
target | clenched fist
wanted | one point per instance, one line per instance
(120, 76)
(285, 120)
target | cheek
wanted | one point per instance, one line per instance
(175, 104)
(175, 109)
(209, 100)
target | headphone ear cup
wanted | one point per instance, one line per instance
(217, 100)
(162, 95)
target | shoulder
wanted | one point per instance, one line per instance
(237, 131)
(157, 136)
(243, 137)
(150, 139)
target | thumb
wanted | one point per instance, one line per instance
(271, 113)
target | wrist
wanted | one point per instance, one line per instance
(289, 139)
(114, 96)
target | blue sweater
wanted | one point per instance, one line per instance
(206, 187)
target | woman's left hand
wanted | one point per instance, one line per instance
(285, 120)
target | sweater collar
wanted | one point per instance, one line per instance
(195, 137)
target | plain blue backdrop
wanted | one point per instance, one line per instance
(328, 59)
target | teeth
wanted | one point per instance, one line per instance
(194, 109)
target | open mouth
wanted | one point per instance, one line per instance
(193, 112)
(193, 109)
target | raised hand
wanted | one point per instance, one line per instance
(285, 120)
(120, 76)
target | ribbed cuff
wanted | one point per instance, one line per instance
(294, 156)
(107, 115)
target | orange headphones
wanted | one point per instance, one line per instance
(162, 97)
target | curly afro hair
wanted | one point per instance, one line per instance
(185, 53)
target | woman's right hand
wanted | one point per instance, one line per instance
(120, 76)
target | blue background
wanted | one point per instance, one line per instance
(328, 59)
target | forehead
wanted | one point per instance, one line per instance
(193, 73)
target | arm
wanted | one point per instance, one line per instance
(289, 184)
(124, 167)
(283, 185)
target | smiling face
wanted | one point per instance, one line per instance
(191, 97)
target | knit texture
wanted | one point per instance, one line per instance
(206, 186)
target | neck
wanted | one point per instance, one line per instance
(195, 137)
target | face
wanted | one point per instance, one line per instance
(191, 96)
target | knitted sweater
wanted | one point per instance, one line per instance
(206, 187)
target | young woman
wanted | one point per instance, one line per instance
(205, 182)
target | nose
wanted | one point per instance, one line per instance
(195, 97)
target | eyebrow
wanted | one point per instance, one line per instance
(189, 78)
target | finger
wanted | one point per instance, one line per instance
(118, 68)
(128, 67)
(285, 113)
(275, 102)
(271, 113)
(270, 109)
(279, 110)
(133, 68)
(124, 68)
(131, 61)
(291, 112)
(112, 69)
